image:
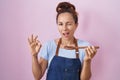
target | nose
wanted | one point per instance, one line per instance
(65, 27)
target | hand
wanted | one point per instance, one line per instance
(90, 53)
(34, 44)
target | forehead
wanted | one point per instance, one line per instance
(65, 17)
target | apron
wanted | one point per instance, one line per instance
(62, 68)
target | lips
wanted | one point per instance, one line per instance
(66, 34)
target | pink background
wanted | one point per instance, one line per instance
(99, 23)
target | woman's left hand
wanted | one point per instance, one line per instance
(90, 53)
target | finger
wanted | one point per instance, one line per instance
(32, 38)
(35, 38)
(89, 53)
(86, 52)
(94, 49)
(29, 41)
(90, 49)
(33, 44)
(38, 41)
(39, 44)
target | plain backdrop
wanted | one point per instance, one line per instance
(99, 23)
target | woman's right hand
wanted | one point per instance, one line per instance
(34, 44)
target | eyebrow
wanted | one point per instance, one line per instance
(66, 22)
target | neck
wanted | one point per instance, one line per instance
(67, 42)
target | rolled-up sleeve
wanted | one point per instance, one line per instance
(82, 51)
(44, 51)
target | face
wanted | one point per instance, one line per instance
(66, 25)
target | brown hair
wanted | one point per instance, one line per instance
(67, 7)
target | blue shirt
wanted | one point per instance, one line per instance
(48, 51)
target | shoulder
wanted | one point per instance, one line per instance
(83, 43)
(47, 47)
(49, 43)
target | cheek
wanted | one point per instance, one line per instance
(72, 28)
(59, 29)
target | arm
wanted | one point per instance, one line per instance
(86, 71)
(38, 66)
(86, 68)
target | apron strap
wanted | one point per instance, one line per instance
(58, 46)
(76, 50)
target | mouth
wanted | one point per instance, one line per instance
(66, 34)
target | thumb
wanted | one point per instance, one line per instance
(39, 45)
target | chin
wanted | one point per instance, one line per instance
(67, 38)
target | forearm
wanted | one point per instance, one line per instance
(36, 68)
(86, 71)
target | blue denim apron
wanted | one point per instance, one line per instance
(62, 68)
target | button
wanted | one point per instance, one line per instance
(65, 69)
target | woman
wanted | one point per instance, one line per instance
(62, 63)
